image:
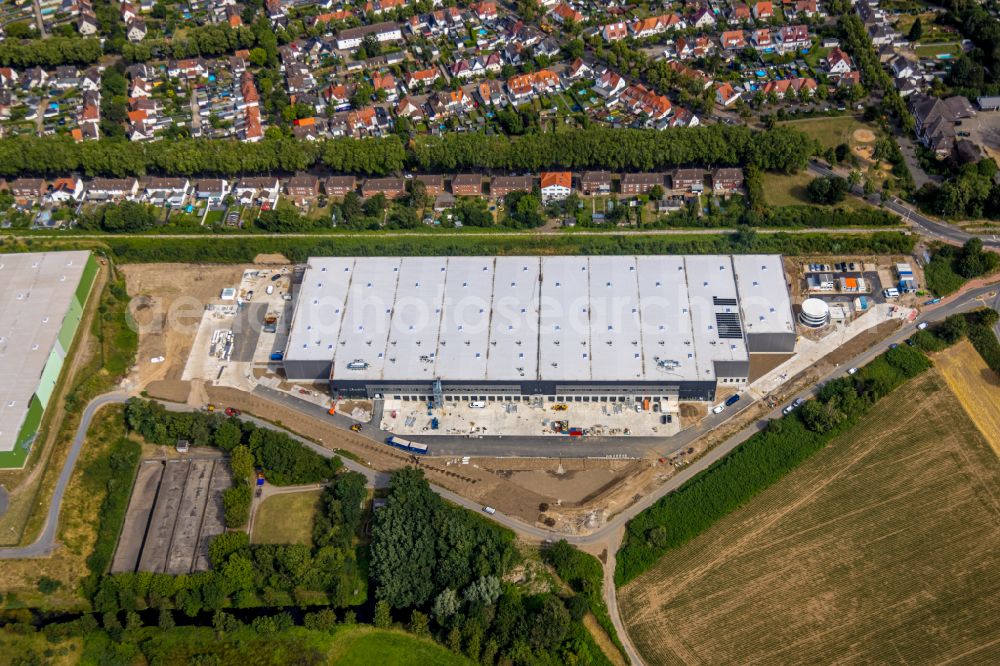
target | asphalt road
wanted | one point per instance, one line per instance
(931, 227)
(46, 542)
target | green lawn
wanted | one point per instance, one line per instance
(286, 518)
(215, 217)
(935, 50)
(790, 190)
(831, 131)
(363, 647)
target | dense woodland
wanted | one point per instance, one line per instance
(443, 568)
(761, 461)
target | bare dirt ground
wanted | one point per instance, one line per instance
(168, 301)
(883, 547)
(976, 387)
(271, 259)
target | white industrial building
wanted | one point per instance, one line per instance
(568, 327)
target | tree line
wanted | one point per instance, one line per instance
(856, 42)
(761, 461)
(283, 460)
(779, 148)
(977, 326)
(49, 52)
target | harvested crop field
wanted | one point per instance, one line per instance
(883, 547)
(976, 386)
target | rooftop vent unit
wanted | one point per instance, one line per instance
(357, 364)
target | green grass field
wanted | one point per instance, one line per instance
(881, 548)
(831, 131)
(286, 518)
(790, 190)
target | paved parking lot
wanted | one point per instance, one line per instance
(608, 419)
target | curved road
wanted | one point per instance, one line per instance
(609, 535)
(928, 225)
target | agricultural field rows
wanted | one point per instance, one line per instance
(882, 547)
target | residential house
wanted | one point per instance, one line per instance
(65, 190)
(135, 30)
(609, 84)
(935, 121)
(688, 180)
(501, 186)
(112, 189)
(761, 39)
(733, 40)
(302, 188)
(213, 190)
(339, 186)
(422, 77)
(563, 13)
(727, 179)
(763, 11)
(578, 69)
(388, 187)
(793, 38)
(263, 190)
(383, 32)
(703, 19)
(162, 191)
(640, 100)
(595, 182)
(27, 191)
(556, 185)
(726, 95)
(433, 184)
(467, 185)
(838, 62)
(612, 32)
(491, 92)
(634, 184)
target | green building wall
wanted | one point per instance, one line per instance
(53, 368)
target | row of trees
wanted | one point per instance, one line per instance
(778, 148)
(761, 461)
(282, 459)
(977, 326)
(49, 52)
(445, 566)
(55, 156)
(856, 42)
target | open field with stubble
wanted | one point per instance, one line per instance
(976, 387)
(884, 547)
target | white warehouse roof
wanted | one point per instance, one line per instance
(566, 318)
(36, 291)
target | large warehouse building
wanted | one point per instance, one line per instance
(42, 300)
(567, 328)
